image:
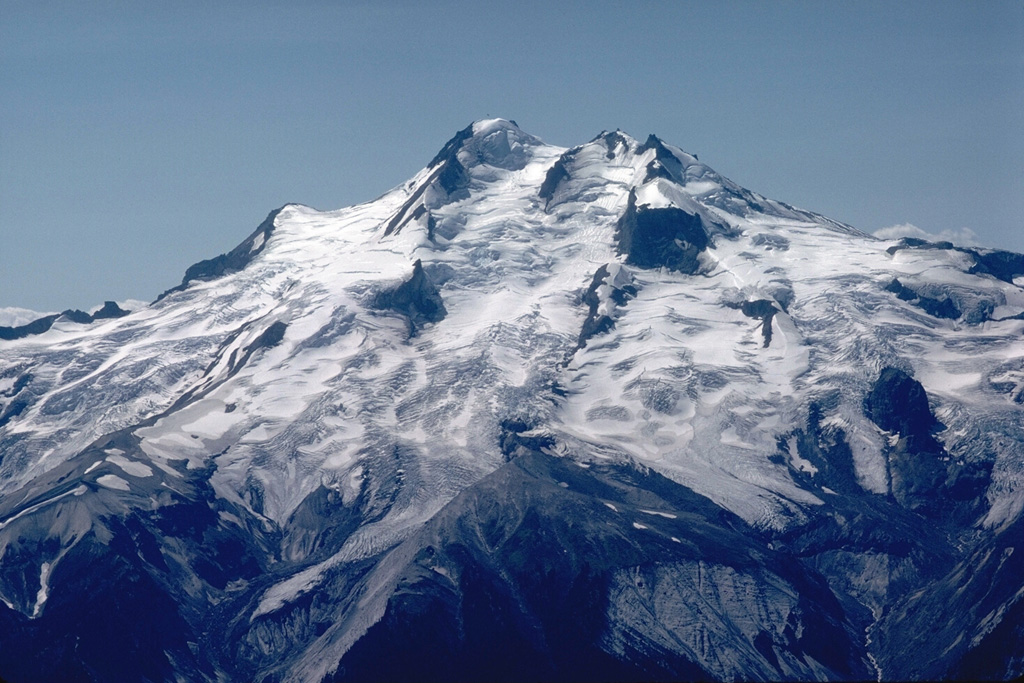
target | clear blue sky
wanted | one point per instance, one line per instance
(139, 137)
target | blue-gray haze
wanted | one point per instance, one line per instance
(138, 138)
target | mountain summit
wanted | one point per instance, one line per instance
(535, 414)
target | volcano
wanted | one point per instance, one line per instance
(538, 413)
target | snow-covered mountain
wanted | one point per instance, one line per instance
(537, 413)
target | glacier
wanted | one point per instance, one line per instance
(535, 414)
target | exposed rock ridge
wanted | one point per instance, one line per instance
(923, 476)
(759, 309)
(611, 287)
(418, 299)
(231, 262)
(1002, 265)
(662, 237)
(39, 325)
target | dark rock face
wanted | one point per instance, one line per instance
(76, 316)
(448, 174)
(514, 440)
(452, 147)
(110, 310)
(923, 475)
(271, 337)
(598, 323)
(320, 523)
(665, 164)
(38, 326)
(828, 451)
(611, 141)
(662, 238)
(763, 310)
(231, 262)
(558, 172)
(418, 299)
(13, 410)
(940, 308)
(451, 174)
(898, 403)
(984, 589)
(517, 579)
(121, 625)
(1002, 265)
(410, 211)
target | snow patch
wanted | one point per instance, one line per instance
(257, 242)
(666, 515)
(112, 481)
(43, 594)
(799, 464)
(132, 467)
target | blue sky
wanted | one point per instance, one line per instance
(138, 138)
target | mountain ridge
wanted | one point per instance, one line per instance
(370, 422)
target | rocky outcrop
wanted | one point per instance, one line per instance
(940, 308)
(1002, 265)
(38, 326)
(418, 299)
(897, 403)
(665, 164)
(923, 476)
(662, 237)
(447, 175)
(231, 262)
(110, 310)
(606, 292)
(558, 173)
(759, 309)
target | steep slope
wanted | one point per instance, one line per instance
(600, 405)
